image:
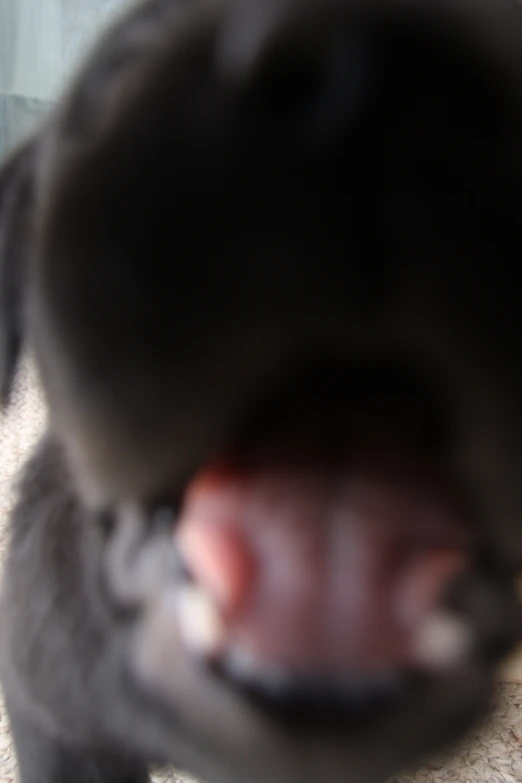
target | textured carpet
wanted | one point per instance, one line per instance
(493, 753)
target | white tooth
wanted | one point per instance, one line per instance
(200, 624)
(442, 641)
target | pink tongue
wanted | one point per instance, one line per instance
(322, 571)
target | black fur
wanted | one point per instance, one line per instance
(229, 192)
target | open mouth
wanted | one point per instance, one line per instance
(315, 573)
(320, 551)
(321, 548)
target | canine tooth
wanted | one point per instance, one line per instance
(200, 624)
(442, 641)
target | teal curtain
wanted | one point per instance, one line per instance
(41, 42)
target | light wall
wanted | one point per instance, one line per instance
(41, 42)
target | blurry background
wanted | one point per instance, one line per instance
(41, 42)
